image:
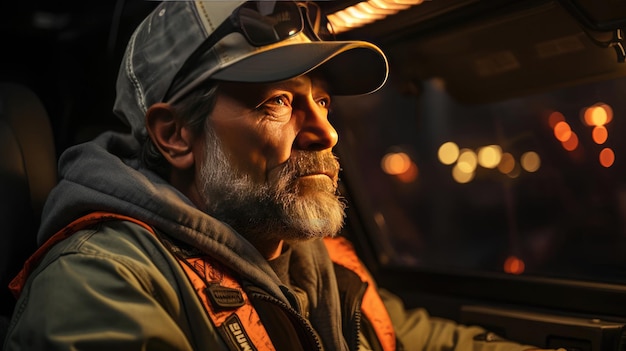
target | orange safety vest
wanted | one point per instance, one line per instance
(244, 325)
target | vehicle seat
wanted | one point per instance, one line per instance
(27, 174)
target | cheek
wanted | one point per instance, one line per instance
(255, 149)
(278, 144)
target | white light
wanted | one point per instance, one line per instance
(366, 12)
(382, 4)
(380, 13)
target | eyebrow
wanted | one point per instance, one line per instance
(294, 84)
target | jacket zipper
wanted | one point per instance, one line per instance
(293, 313)
(357, 317)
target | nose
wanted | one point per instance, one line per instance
(316, 132)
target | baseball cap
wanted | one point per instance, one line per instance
(150, 71)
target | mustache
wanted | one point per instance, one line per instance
(312, 162)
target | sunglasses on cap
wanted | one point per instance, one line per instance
(263, 23)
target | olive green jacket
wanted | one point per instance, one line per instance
(116, 287)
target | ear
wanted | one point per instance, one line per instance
(170, 136)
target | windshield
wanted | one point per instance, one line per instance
(534, 185)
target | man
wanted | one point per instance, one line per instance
(210, 226)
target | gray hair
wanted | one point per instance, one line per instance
(193, 109)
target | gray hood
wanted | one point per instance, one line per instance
(104, 175)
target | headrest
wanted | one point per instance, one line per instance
(27, 174)
(30, 150)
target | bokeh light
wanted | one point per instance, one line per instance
(607, 157)
(571, 143)
(410, 175)
(400, 165)
(489, 156)
(514, 265)
(530, 161)
(562, 131)
(461, 176)
(448, 153)
(599, 134)
(597, 115)
(467, 160)
(395, 163)
(507, 163)
(554, 118)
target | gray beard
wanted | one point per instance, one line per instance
(279, 209)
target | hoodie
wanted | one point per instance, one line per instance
(105, 175)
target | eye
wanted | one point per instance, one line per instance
(280, 100)
(275, 102)
(277, 107)
(324, 102)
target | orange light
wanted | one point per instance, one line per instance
(572, 143)
(562, 131)
(410, 175)
(396, 163)
(507, 163)
(607, 157)
(554, 118)
(514, 265)
(609, 112)
(598, 114)
(599, 134)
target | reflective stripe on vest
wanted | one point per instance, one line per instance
(342, 252)
(220, 300)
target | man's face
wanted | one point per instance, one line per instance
(269, 170)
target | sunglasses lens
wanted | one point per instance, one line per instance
(317, 21)
(267, 22)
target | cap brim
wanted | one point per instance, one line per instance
(351, 67)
